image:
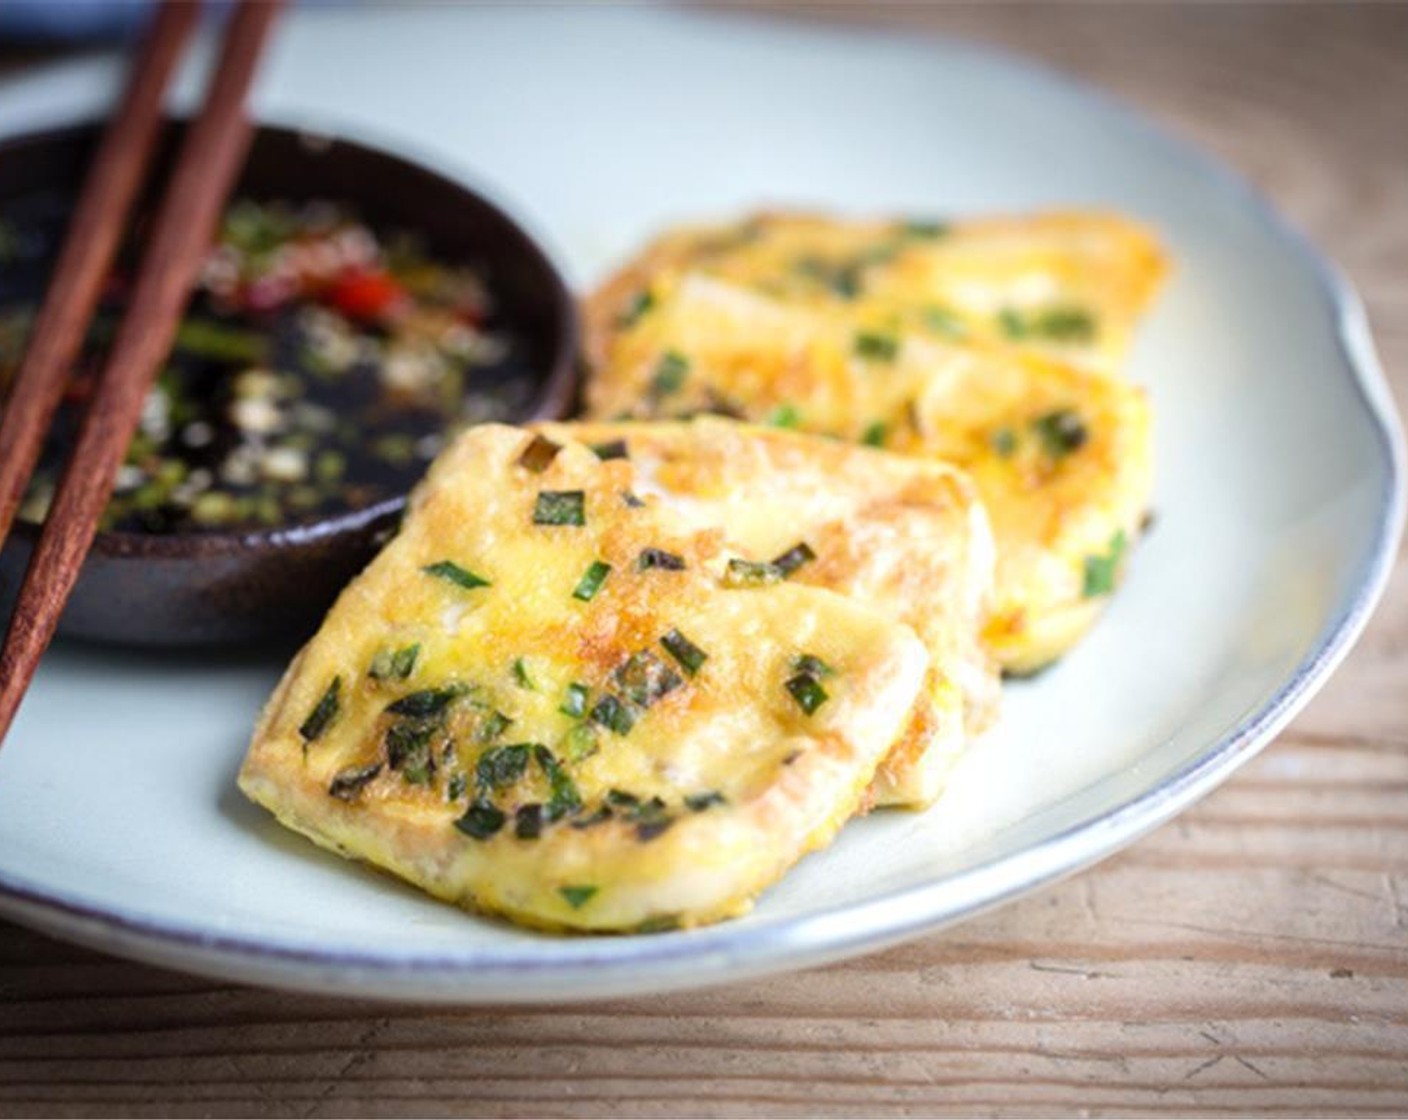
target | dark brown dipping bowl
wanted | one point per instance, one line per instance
(201, 589)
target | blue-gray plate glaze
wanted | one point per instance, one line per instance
(1279, 497)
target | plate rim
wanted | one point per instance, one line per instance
(606, 967)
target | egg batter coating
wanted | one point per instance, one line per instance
(1068, 284)
(1060, 454)
(542, 700)
(906, 536)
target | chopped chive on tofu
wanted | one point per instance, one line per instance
(614, 449)
(577, 897)
(647, 831)
(610, 712)
(750, 573)
(591, 581)
(427, 702)
(521, 675)
(574, 703)
(658, 558)
(874, 434)
(528, 822)
(1102, 572)
(877, 346)
(698, 802)
(1004, 442)
(491, 727)
(644, 678)
(942, 321)
(807, 691)
(924, 229)
(481, 820)
(453, 573)
(785, 415)
(580, 743)
(640, 303)
(408, 745)
(600, 815)
(456, 787)
(670, 373)
(621, 799)
(688, 655)
(346, 784)
(539, 454)
(560, 507)
(323, 713)
(564, 799)
(812, 665)
(796, 556)
(1059, 324)
(1061, 432)
(502, 766)
(394, 665)
(1067, 324)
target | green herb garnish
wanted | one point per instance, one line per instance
(591, 581)
(1060, 324)
(560, 507)
(874, 434)
(346, 784)
(564, 800)
(670, 373)
(394, 665)
(481, 821)
(796, 556)
(528, 822)
(640, 303)
(658, 558)
(611, 713)
(502, 766)
(689, 655)
(462, 577)
(456, 787)
(1004, 442)
(807, 691)
(812, 665)
(580, 743)
(577, 897)
(698, 802)
(942, 321)
(750, 573)
(521, 677)
(1061, 432)
(323, 713)
(539, 454)
(876, 346)
(785, 415)
(843, 278)
(427, 702)
(1102, 572)
(492, 726)
(575, 702)
(614, 449)
(644, 678)
(924, 229)
(408, 746)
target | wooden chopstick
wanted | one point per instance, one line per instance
(210, 160)
(93, 235)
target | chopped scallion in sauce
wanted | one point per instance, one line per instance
(481, 820)
(394, 665)
(689, 656)
(670, 373)
(658, 558)
(578, 896)
(877, 346)
(1061, 432)
(613, 449)
(806, 690)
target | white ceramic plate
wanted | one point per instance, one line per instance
(1279, 499)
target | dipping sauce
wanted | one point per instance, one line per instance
(320, 366)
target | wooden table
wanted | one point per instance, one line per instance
(1251, 956)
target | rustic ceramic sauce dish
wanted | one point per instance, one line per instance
(209, 588)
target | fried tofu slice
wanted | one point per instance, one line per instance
(1061, 455)
(905, 536)
(1071, 285)
(540, 700)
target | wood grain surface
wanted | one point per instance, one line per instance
(1250, 957)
